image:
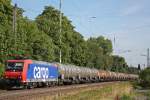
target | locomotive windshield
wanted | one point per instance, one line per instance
(14, 66)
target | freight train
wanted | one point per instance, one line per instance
(30, 74)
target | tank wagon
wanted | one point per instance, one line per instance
(30, 73)
(71, 73)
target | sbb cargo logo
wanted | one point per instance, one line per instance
(41, 72)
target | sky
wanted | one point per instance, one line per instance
(125, 22)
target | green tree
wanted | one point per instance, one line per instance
(119, 64)
(5, 28)
(106, 44)
(133, 70)
(72, 44)
(145, 77)
(94, 54)
(26, 38)
(99, 53)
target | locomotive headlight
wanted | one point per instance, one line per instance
(24, 81)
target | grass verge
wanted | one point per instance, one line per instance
(109, 92)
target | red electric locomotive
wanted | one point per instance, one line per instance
(30, 73)
(15, 72)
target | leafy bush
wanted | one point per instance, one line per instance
(1, 69)
(145, 77)
(136, 84)
(126, 97)
(2, 81)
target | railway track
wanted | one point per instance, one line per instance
(38, 92)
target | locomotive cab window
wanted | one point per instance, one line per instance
(14, 66)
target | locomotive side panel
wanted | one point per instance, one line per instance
(42, 73)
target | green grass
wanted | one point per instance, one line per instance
(147, 94)
(105, 93)
(126, 97)
(120, 90)
(140, 95)
(88, 95)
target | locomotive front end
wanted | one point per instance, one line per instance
(13, 72)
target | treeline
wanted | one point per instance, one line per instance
(39, 40)
(144, 78)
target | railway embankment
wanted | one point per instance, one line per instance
(91, 91)
(95, 91)
(116, 91)
(113, 91)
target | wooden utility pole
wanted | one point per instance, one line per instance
(14, 22)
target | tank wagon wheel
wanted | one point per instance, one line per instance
(48, 84)
(77, 81)
(60, 82)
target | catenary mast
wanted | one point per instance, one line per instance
(60, 30)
